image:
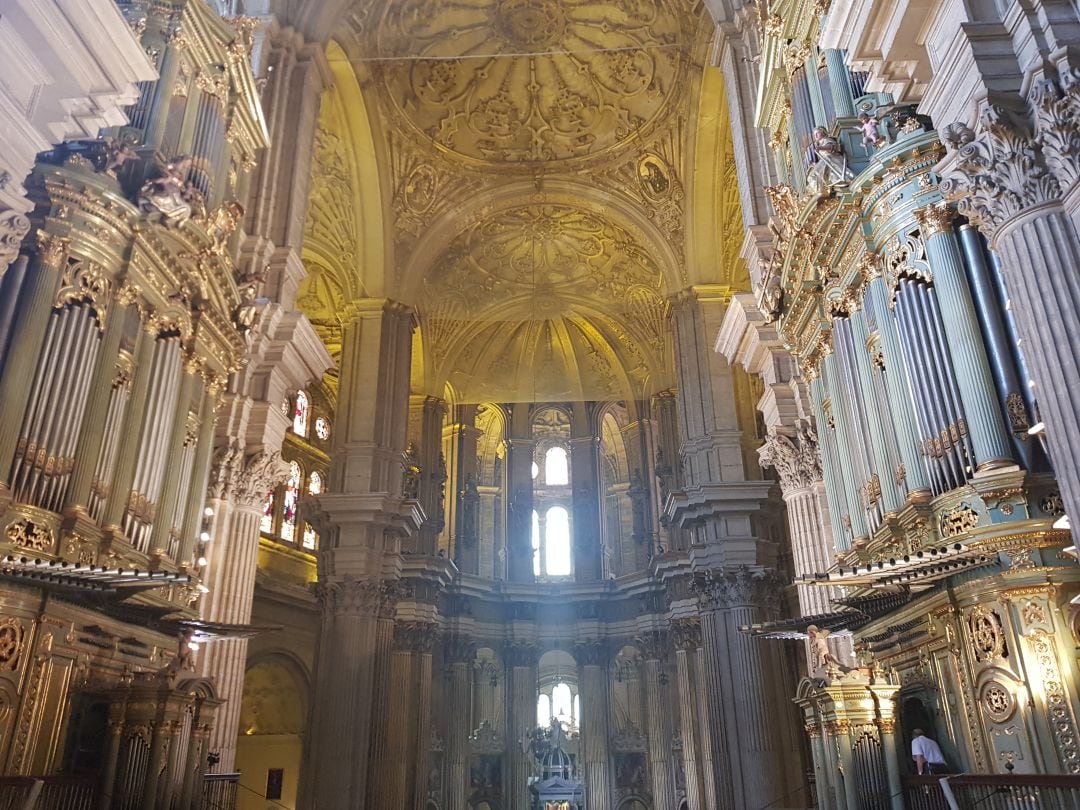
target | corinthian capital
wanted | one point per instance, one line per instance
(798, 464)
(739, 587)
(349, 596)
(257, 476)
(1000, 171)
(1055, 108)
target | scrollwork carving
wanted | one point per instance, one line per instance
(13, 229)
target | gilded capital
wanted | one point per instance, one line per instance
(934, 219)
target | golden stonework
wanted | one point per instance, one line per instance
(589, 75)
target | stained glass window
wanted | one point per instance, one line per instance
(322, 428)
(288, 502)
(315, 483)
(301, 412)
(266, 524)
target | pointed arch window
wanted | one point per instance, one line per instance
(556, 467)
(289, 500)
(301, 413)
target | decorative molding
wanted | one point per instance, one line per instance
(798, 465)
(722, 589)
(13, 229)
(349, 596)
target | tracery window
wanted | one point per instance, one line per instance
(280, 519)
(301, 413)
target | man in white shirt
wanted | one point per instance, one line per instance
(926, 753)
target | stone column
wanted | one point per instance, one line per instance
(521, 662)
(432, 488)
(410, 723)
(361, 520)
(585, 477)
(711, 759)
(687, 637)
(654, 648)
(336, 768)
(1008, 178)
(464, 493)
(459, 652)
(592, 658)
(237, 494)
(384, 712)
(748, 726)
(519, 497)
(985, 424)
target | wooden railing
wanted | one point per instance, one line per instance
(48, 793)
(219, 791)
(1005, 791)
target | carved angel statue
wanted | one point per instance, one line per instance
(222, 223)
(118, 151)
(830, 167)
(868, 126)
(410, 483)
(184, 660)
(246, 315)
(821, 657)
(170, 197)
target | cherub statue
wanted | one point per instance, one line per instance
(118, 151)
(170, 196)
(871, 138)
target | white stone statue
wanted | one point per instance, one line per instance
(170, 196)
(830, 169)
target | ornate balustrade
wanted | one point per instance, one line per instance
(1005, 791)
(48, 793)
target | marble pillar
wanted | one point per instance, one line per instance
(585, 478)
(654, 649)
(742, 688)
(459, 653)
(592, 658)
(237, 493)
(521, 662)
(686, 634)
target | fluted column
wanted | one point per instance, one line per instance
(463, 493)
(384, 714)
(521, 661)
(409, 739)
(237, 494)
(519, 497)
(687, 637)
(748, 726)
(585, 477)
(961, 321)
(36, 300)
(433, 475)
(1008, 178)
(711, 759)
(654, 648)
(592, 658)
(459, 652)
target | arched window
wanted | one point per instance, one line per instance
(557, 542)
(562, 703)
(301, 412)
(536, 542)
(556, 467)
(314, 487)
(543, 711)
(288, 502)
(322, 428)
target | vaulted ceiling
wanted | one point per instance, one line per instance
(534, 161)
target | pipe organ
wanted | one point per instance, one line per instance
(118, 330)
